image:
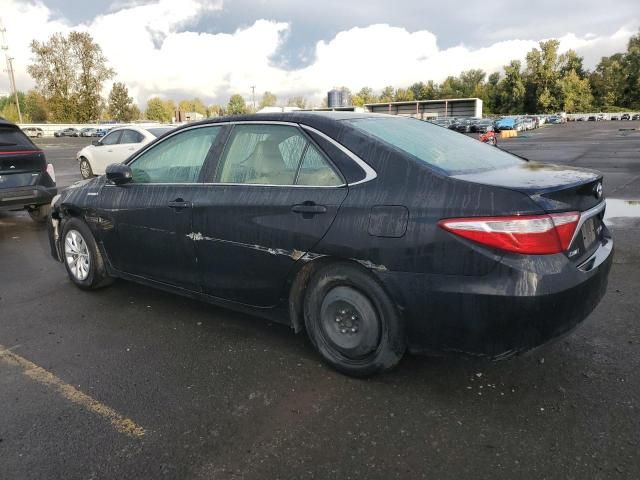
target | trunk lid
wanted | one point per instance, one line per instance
(557, 188)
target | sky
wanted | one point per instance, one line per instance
(214, 48)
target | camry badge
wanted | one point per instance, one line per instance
(598, 190)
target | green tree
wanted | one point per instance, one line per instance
(121, 106)
(631, 62)
(403, 95)
(160, 110)
(569, 61)
(576, 93)
(69, 72)
(215, 111)
(35, 107)
(387, 94)
(541, 78)
(608, 81)
(472, 83)
(236, 105)
(193, 105)
(8, 108)
(511, 89)
(268, 100)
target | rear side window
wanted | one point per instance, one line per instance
(178, 159)
(443, 149)
(12, 137)
(130, 136)
(274, 155)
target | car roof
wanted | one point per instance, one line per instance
(310, 118)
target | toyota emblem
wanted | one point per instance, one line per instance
(598, 190)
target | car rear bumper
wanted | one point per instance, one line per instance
(23, 197)
(521, 304)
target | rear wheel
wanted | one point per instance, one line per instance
(351, 321)
(40, 213)
(82, 259)
(85, 169)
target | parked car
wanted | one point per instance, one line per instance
(27, 181)
(87, 132)
(636, 116)
(355, 228)
(101, 132)
(67, 132)
(36, 132)
(115, 147)
(482, 126)
(592, 118)
(615, 117)
(625, 116)
(554, 120)
(506, 123)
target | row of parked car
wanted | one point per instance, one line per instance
(37, 132)
(603, 116)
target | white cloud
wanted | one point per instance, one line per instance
(153, 52)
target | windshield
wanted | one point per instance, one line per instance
(443, 149)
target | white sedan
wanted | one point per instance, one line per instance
(115, 147)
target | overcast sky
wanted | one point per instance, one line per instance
(213, 48)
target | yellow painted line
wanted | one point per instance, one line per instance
(118, 422)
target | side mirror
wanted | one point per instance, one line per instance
(96, 143)
(119, 174)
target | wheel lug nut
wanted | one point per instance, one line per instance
(354, 330)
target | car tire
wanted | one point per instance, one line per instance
(40, 214)
(86, 171)
(39, 135)
(351, 321)
(81, 257)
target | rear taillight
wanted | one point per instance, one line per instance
(51, 171)
(530, 234)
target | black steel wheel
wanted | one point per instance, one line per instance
(351, 321)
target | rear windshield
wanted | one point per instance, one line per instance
(446, 150)
(158, 132)
(12, 137)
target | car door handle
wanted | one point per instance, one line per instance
(309, 208)
(179, 203)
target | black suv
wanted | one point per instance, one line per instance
(26, 180)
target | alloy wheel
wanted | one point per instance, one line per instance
(77, 255)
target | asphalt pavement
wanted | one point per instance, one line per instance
(133, 383)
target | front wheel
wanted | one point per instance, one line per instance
(351, 321)
(85, 169)
(82, 259)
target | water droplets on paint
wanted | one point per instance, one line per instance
(620, 213)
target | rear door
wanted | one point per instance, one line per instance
(21, 162)
(272, 197)
(147, 223)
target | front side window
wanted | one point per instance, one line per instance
(443, 149)
(111, 138)
(273, 155)
(178, 159)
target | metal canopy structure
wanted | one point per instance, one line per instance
(424, 109)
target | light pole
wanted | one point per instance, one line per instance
(12, 79)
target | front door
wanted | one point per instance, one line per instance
(103, 152)
(148, 221)
(273, 197)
